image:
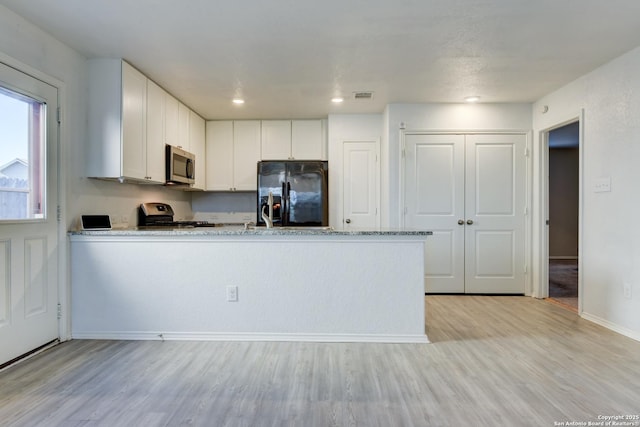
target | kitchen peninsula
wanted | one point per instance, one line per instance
(228, 283)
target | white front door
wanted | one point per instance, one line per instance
(470, 191)
(360, 187)
(28, 219)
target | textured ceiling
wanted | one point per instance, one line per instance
(287, 58)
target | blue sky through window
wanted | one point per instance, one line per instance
(14, 125)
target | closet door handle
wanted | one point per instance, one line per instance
(469, 222)
(460, 222)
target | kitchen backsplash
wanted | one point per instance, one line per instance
(223, 207)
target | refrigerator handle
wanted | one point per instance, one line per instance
(283, 204)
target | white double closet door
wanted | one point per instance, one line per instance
(470, 191)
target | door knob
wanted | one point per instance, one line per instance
(469, 222)
(348, 221)
(460, 222)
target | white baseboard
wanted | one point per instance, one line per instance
(203, 336)
(612, 326)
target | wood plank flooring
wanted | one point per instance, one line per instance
(494, 361)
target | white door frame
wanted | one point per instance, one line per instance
(541, 289)
(529, 288)
(64, 294)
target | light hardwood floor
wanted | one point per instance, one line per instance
(494, 361)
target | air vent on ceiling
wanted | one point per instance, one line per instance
(363, 96)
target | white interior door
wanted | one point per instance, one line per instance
(360, 185)
(495, 204)
(28, 205)
(434, 200)
(470, 191)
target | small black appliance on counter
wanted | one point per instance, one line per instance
(154, 214)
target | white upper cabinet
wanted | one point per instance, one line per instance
(131, 119)
(219, 152)
(197, 146)
(171, 120)
(183, 127)
(292, 140)
(117, 121)
(155, 132)
(232, 152)
(276, 139)
(246, 154)
(134, 123)
(307, 140)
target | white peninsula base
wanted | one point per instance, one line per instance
(332, 288)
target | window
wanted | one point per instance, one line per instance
(22, 158)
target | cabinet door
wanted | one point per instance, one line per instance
(219, 155)
(196, 141)
(307, 140)
(276, 139)
(171, 120)
(183, 127)
(246, 154)
(134, 124)
(155, 133)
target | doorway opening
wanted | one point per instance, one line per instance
(563, 214)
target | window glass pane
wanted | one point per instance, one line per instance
(22, 133)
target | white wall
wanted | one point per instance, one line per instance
(610, 148)
(25, 46)
(440, 117)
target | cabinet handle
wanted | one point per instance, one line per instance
(460, 222)
(469, 222)
(348, 221)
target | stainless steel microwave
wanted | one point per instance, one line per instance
(181, 166)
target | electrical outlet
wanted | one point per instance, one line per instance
(602, 185)
(626, 288)
(232, 293)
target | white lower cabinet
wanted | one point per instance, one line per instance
(232, 153)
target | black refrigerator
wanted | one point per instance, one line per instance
(300, 192)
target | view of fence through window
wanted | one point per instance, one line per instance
(22, 131)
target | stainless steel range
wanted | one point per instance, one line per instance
(156, 214)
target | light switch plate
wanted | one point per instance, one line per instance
(602, 185)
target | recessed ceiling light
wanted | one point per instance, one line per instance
(472, 99)
(238, 101)
(337, 100)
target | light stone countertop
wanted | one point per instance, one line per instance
(239, 230)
